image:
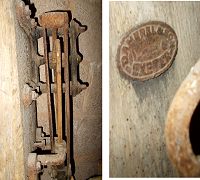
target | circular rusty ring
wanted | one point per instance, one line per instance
(178, 123)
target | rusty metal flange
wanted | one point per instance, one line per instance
(177, 130)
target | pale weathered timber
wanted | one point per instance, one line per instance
(18, 121)
(138, 110)
(11, 132)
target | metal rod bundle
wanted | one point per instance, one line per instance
(54, 21)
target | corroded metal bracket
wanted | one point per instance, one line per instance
(42, 141)
(75, 30)
(34, 32)
(29, 25)
(35, 161)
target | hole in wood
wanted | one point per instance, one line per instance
(194, 130)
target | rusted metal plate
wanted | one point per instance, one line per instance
(147, 51)
(53, 19)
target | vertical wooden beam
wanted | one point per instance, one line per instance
(11, 129)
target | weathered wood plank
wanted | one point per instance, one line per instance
(138, 109)
(11, 134)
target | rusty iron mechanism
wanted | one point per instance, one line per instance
(53, 150)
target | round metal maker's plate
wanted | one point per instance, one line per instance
(147, 51)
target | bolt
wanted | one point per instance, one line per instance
(38, 166)
(34, 95)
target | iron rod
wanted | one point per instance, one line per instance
(59, 90)
(48, 89)
(53, 64)
(67, 93)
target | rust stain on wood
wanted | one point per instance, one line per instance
(147, 51)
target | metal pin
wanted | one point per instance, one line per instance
(67, 93)
(48, 90)
(59, 90)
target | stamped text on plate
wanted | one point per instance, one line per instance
(147, 51)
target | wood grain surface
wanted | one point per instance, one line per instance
(138, 109)
(11, 132)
